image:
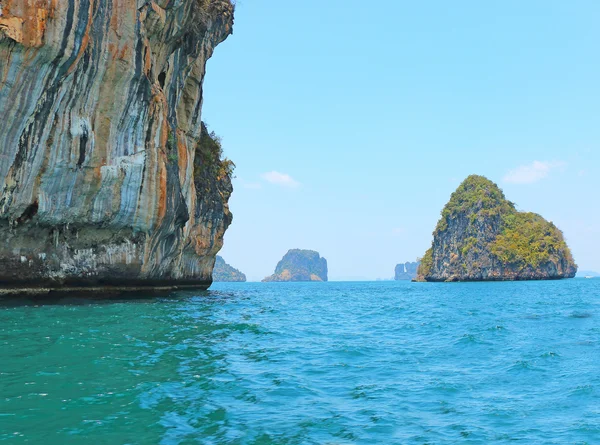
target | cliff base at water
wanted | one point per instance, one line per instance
(482, 237)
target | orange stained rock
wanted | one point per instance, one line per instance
(12, 27)
(147, 57)
(125, 52)
(162, 192)
(24, 21)
(182, 155)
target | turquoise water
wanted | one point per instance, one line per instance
(313, 363)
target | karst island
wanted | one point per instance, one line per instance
(482, 237)
(224, 272)
(406, 271)
(300, 265)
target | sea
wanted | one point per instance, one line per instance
(306, 363)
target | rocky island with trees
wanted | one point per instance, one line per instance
(300, 265)
(482, 237)
(223, 272)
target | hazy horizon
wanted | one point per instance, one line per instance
(351, 124)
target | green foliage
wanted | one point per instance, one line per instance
(171, 140)
(426, 264)
(476, 196)
(468, 245)
(172, 146)
(226, 168)
(209, 156)
(528, 239)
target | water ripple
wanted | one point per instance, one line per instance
(331, 363)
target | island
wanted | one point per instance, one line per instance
(482, 237)
(406, 271)
(223, 272)
(300, 265)
(587, 274)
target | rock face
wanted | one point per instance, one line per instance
(482, 237)
(101, 179)
(223, 272)
(406, 271)
(300, 265)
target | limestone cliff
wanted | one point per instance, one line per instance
(223, 272)
(300, 265)
(406, 271)
(482, 237)
(101, 182)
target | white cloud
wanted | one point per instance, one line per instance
(528, 174)
(280, 179)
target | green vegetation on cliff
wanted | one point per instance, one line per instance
(481, 236)
(475, 193)
(209, 156)
(424, 269)
(527, 238)
(212, 177)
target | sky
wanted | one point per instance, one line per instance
(352, 122)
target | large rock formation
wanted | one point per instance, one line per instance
(300, 265)
(223, 272)
(107, 178)
(406, 271)
(482, 237)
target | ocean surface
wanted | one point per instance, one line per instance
(310, 363)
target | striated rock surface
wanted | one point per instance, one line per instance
(223, 272)
(406, 271)
(482, 237)
(100, 179)
(300, 265)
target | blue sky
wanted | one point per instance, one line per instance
(352, 122)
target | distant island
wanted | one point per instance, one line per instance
(482, 237)
(223, 272)
(406, 271)
(300, 265)
(588, 274)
